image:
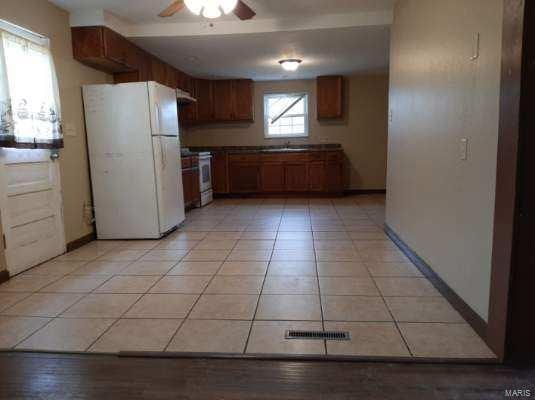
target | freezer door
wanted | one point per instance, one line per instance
(121, 159)
(163, 109)
(168, 182)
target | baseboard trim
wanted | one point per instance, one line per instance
(76, 244)
(365, 191)
(4, 276)
(475, 321)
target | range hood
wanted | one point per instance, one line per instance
(184, 97)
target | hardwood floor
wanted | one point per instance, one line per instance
(53, 376)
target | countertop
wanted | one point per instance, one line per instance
(270, 149)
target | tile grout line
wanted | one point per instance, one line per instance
(128, 308)
(319, 286)
(84, 295)
(261, 291)
(202, 293)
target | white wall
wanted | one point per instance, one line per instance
(362, 133)
(441, 206)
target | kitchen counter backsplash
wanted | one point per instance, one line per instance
(273, 148)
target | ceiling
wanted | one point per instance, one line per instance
(256, 56)
(332, 37)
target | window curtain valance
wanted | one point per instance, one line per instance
(29, 97)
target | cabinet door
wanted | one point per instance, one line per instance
(296, 177)
(188, 113)
(243, 100)
(334, 176)
(330, 97)
(244, 178)
(118, 49)
(188, 189)
(170, 77)
(158, 71)
(205, 100)
(272, 177)
(219, 172)
(316, 176)
(224, 102)
(195, 186)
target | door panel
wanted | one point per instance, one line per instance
(272, 177)
(296, 177)
(31, 207)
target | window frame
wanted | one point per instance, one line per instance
(306, 115)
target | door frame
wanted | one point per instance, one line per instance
(509, 320)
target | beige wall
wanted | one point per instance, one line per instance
(42, 17)
(441, 206)
(363, 133)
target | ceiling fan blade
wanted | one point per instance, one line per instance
(243, 11)
(173, 8)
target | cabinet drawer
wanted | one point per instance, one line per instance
(244, 158)
(186, 162)
(334, 156)
(296, 157)
(316, 156)
(273, 157)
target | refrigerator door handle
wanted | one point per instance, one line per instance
(163, 149)
(157, 118)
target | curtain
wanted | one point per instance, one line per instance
(29, 97)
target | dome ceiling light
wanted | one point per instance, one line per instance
(290, 64)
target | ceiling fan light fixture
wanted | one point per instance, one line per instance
(195, 6)
(210, 11)
(290, 64)
(228, 5)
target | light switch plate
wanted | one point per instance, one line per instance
(464, 149)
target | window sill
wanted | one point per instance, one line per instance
(286, 137)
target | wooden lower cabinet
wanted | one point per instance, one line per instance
(220, 172)
(334, 176)
(190, 182)
(296, 177)
(316, 176)
(244, 177)
(272, 177)
(313, 172)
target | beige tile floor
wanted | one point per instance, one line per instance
(233, 279)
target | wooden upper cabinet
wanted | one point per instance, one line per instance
(224, 102)
(183, 81)
(158, 71)
(233, 100)
(103, 49)
(170, 76)
(205, 99)
(330, 97)
(244, 100)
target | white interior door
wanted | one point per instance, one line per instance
(31, 208)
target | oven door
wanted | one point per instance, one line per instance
(205, 175)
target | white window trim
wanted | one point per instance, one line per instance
(24, 33)
(286, 136)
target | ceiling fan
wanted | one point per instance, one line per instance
(240, 9)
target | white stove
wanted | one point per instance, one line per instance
(205, 178)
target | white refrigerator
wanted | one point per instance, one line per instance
(134, 154)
